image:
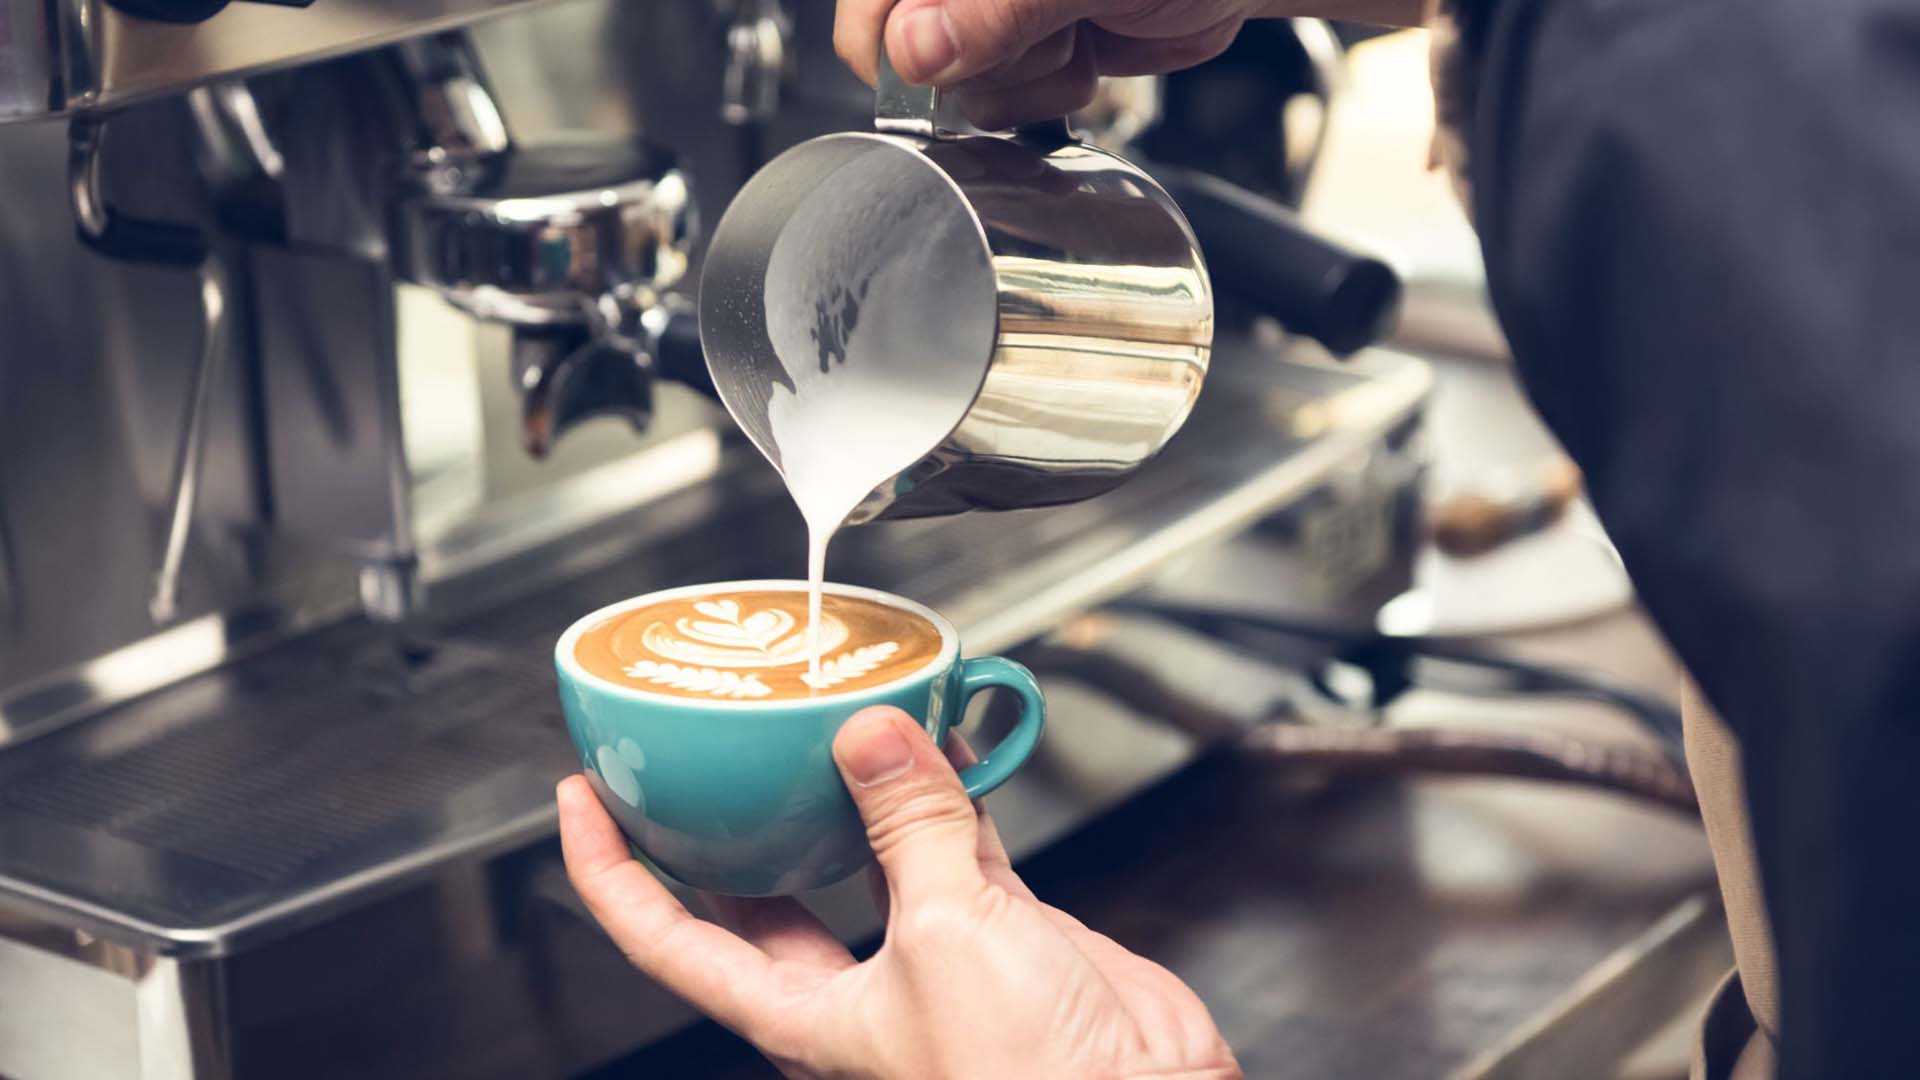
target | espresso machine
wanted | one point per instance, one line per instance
(347, 353)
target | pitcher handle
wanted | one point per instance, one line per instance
(900, 108)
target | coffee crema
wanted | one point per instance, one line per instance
(752, 646)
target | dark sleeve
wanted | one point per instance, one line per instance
(1701, 222)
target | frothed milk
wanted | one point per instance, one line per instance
(880, 306)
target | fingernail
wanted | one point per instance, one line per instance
(931, 46)
(876, 751)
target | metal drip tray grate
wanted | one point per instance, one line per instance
(303, 764)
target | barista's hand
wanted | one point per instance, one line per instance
(1020, 60)
(976, 977)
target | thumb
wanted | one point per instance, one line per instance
(944, 41)
(919, 820)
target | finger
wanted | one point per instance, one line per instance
(959, 754)
(713, 970)
(995, 864)
(919, 820)
(857, 25)
(1123, 55)
(1038, 62)
(1064, 92)
(877, 891)
(781, 928)
(941, 42)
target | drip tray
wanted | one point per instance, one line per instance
(279, 775)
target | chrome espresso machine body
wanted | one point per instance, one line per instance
(346, 355)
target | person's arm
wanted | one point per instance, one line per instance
(1701, 223)
(1019, 60)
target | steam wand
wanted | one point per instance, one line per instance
(118, 236)
(163, 601)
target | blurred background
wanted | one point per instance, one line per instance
(347, 354)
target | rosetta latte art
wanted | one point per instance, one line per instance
(850, 665)
(722, 634)
(729, 684)
(753, 646)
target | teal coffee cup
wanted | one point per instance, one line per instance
(742, 796)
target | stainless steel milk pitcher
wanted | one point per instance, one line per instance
(1050, 293)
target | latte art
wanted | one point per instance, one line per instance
(720, 633)
(751, 646)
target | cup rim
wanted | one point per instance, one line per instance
(564, 648)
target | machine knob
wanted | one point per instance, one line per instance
(187, 11)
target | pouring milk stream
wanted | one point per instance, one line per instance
(847, 296)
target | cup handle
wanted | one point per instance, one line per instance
(997, 764)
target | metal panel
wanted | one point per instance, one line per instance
(61, 1016)
(59, 55)
(96, 359)
(182, 1010)
(336, 463)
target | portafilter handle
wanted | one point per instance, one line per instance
(571, 374)
(576, 244)
(1261, 252)
(900, 108)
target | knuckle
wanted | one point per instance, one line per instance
(593, 880)
(1080, 86)
(1012, 22)
(1073, 88)
(642, 950)
(916, 814)
(1207, 44)
(670, 933)
(1057, 51)
(997, 860)
(1072, 100)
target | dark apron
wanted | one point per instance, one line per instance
(1737, 1038)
